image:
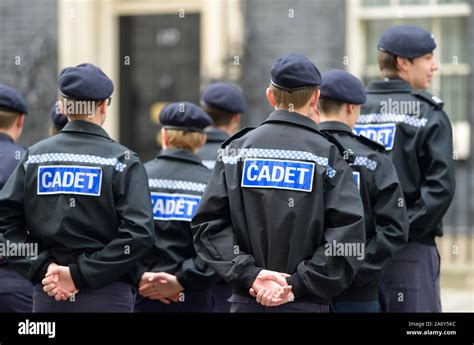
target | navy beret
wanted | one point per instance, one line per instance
(184, 116)
(11, 100)
(293, 72)
(59, 119)
(224, 96)
(407, 41)
(85, 82)
(342, 87)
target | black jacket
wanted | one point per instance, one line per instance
(419, 141)
(85, 200)
(10, 156)
(386, 221)
(241, 228)
(209, 152)
(177, 174)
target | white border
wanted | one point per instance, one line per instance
(64, 192)
(273, 187)
(177, 195)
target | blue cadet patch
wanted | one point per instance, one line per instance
(382, 133)
(168, 206)
(278, 174)
(69, 179)
(356, 175)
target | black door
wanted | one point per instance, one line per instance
(159, 63)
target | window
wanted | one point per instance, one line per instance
(448, 21)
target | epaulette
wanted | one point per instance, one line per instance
(433, 100)
(237, 135)
(347, 154)
(371, 143)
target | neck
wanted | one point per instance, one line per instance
(302, 111)
(11, 132)
(335, 117)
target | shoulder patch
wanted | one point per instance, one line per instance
(237, 135)
(371, 143)
(428, 97)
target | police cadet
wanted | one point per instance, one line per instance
(174, 278)
(275, 202)
(15, 292)
(83, 200)
(224, 103)
(58, 119)
(386, 222)
(417, 134)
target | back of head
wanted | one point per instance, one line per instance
(222, 101)
(294, 79)
(83, 89)
(184, 123)
(12, 106)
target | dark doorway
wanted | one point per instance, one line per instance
(160, 58)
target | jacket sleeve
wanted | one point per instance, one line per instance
(391, 222)
(13, 227)
(214, 237)
(135, 234)
(438, 180)
(195, 273)
(327, 274)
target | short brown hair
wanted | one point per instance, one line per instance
(219, 117)
(388, 64)
(185, 140)
(329, 106)
(7, 118)
(296, 98)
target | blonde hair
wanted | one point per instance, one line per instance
(185, 140)
(297, 98)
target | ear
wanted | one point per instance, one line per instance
(271, 97)
(235, 118)
(20, 121)
(350, 109)
(313, 102)
(402, 63)
(165, 140)
(103, 107)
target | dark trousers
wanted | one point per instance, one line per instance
(113, 298)
(356, 306)
(197, 301)
(16, 293)
(241, 304)
(221, 293)
(411, 282)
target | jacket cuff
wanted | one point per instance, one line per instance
(77, 277)
(38, 277)
(298, 287)
(182, 279)
(248, 274)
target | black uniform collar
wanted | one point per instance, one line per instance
(6, 138)
(292, 117)
(389, 86)
(217, 135)
(334, 126)
(180, 154)
(86, 127)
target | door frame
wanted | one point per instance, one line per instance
(96, 40)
